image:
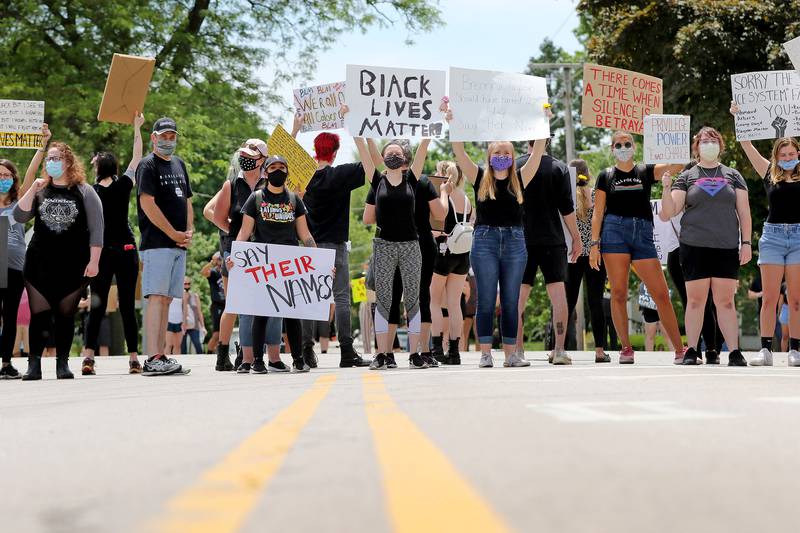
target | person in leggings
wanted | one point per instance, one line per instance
(119, 258)
(580, 271)
(63, 255)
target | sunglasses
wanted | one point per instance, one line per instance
(620, 145)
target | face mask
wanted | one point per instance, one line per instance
(247, 164)
(501, 162)
(5, 185)
(394, 161)
(166, 148)
(623, 154)
(785, 165)
(54, 169)
(277, 178)
(709, 151)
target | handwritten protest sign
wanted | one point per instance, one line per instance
(126, 88)
(792, 49)
(769, 104)
(21, 123)
(394, 102)
(667, 139)
(279, 280)
(490, 106)
(359, 288)
(665, 234)
(321, 106)
(301, 165)
(619, 99)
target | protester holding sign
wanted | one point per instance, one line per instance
(779, 245)
(716, 213)
(69, 227)
(625, 219)
(498, 247)
(119, 258)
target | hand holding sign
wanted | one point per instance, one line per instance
(46, 134)
(138, 120)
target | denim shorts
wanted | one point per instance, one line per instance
(163, 270)
(272, 336)
(779, 244)
(628, 235)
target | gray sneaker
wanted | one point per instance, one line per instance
(486, 361)
(762, 358)
(794, 358)
(560, 357)
(515, 360)
(160, 365)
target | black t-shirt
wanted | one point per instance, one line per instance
(275, 218)
(424, 193)
(116, 198)
(168, 183)
(327, 199)
(503, 211)
(547, 196)
(628, 193)
(240, 192)
(783, 199)
(216, 287)
(394, 207)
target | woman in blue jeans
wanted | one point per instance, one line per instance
(498, 243)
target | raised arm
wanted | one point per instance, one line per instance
(419, 157)
(297, 124)
(23, 212)
(375, 154)
(531, 166)
(672, 201)
(660, 170)
(36, 161)
(759, 162)
(366, 158)
(138, 120)
(467, 165)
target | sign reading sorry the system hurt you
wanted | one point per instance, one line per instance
(393, 102)
(279, 280)
(619, 99)
(21, 123)
(769, 104)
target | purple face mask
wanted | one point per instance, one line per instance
(501, 162)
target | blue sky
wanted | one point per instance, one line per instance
(501, 37)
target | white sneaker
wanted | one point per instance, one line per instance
(560, 357)
(486, 361)
(762, 358)
(515, 360)
(794, 358)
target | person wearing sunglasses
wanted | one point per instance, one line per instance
(622, 231)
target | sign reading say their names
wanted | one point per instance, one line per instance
(21, 123)
(769, 104)
(280, 280)
(321, 106)
(667, 139)
(394, 102)
(490, 106)
(301, 165)
(619, 99)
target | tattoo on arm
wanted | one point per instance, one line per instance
(309, 243)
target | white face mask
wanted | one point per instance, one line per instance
(623, 154)
(709, 151)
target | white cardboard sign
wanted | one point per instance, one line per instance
(792, 49)
(321, 106)
(769, 104)
(21, 123)
(667, 139)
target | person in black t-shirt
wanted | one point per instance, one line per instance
(622, 212)
(119, 258)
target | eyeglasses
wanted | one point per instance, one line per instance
(6, 176)
(620, 145)
(54, 159)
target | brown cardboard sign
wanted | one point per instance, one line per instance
(619, 99)
(126, 88)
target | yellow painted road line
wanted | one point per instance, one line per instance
(224, 495)
(424, 491)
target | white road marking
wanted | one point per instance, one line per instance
(627, 411)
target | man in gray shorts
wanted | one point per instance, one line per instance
(166, 224)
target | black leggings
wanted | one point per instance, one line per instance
(595, 281)
(53, 317)
(9, 304)
(294, 332)
(124, 264)
(710, 334)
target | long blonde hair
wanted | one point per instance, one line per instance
(488, 188)
(776, 173)
(450, 170)
(582, 200)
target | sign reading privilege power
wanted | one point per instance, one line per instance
(394, 102)
(279, 280)
(619, 99)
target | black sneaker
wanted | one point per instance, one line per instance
(390, 362)
(379, 362)
(351, 358)
(278, 367)
(712, 357)
(9, 372)
(415, 360)
(258, 367)
(243, 368)
(310, 357)
(160, 365)
(430, 359)
(735, 358)
(299, 365)
(690, 356)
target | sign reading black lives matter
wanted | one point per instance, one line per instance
(279, 280)
(21, 123)
(769, 104)
(394, 102)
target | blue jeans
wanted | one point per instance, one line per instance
(498, 255)
(194, 336)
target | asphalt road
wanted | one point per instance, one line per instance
(587, 448)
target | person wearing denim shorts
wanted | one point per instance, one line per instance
(622, 230)
(498, 252)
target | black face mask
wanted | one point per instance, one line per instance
(247, 164)
(394, 161)
(277, 178)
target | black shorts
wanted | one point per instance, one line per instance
(703, 263)
(552, 260)
(447, 263)
(650, 316)
(217, 308)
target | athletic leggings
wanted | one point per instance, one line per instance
(427, 249)
(710, 333)
(124, 264)
(9, 304)
(387, 256)
(594, 283)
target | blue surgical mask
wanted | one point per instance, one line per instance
(55, 169)
(166, 148)
(5, 185)
(788, 165)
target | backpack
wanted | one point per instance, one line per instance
(460, 239)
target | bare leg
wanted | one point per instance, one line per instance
(723, 291)
(524, 293)
(696, 296)
(652, 275)
(558, 299)
(618, 269)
